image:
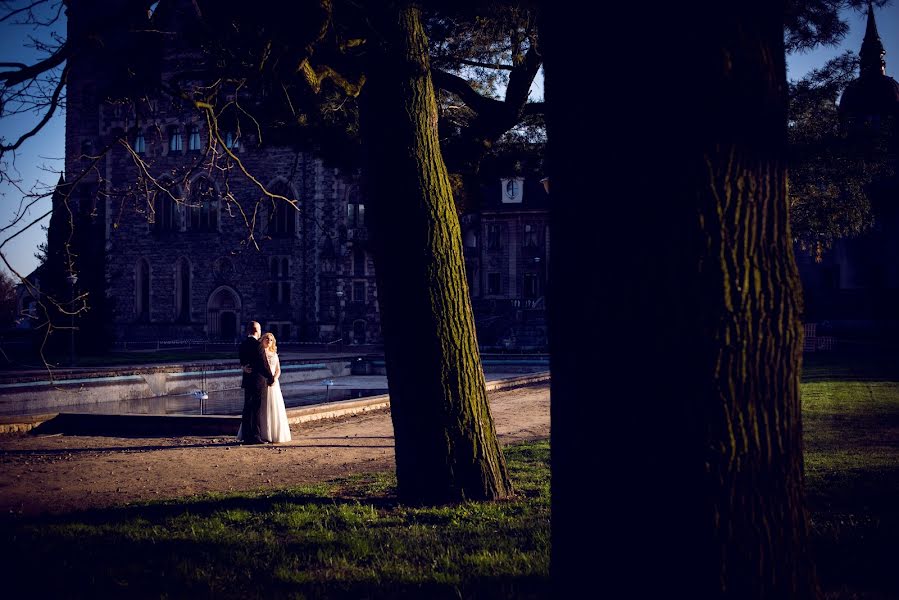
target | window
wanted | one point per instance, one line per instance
(359, 262)
(530, 237)
(493, 237)
(359, 292)
(531, 285)
(203, 206)
(279, 284)
(282, 214)
(355, 214)
(493, 283)
(176, 142)
(182, 290)
(142, 290)
(140, 144)
(284, 219)
(193, 142)
(359, 327)
(232, 141)
(163, 212)
(355, 209)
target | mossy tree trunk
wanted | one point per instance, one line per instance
(683, 406)
(446, 445)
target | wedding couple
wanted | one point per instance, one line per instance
(264, 416)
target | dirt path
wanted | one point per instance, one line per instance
(63, 473)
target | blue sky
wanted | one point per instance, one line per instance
(39, 161)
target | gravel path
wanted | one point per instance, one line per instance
(58, 473)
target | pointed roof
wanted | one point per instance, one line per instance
(872, 50)
(873, 92)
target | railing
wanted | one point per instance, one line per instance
(156, 345)
(195, 345)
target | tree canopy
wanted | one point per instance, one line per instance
(830, 172)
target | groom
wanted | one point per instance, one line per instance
(257, 376)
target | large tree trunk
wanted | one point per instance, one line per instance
(446, 446)
(684, 406)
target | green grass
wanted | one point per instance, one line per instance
(850, 409)
(350, 539)
(343, 539)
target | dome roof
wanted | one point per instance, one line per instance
(873, 94)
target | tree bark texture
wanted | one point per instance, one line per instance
(446, 445)
(683, 404)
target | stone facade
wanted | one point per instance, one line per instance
(507, 245)
(180, 242)
(178, 239)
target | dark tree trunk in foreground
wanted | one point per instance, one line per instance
(446, 446)
(683, 406)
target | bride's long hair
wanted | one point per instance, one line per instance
(274, 347)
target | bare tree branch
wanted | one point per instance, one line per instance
(463, 88)
(483, 65)
(10, 78)
(21, 10)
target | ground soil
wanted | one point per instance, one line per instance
(62, 473)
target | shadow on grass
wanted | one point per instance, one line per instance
(285, 544)
(854, 531)
(348, 538)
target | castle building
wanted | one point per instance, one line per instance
(853, 289)
(181, 236)
(506, 245)
(185, 231)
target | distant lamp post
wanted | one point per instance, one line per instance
(545, 182)
(73, 279)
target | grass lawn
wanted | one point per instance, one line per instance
(850, 410)
(349, 538)
(344, 539)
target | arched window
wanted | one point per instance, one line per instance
(176, 140)
(193, 141)
(232, 140)
(142, 290)
(282, 215)
(355, 209)
(165, 209)
(182, 290)
(140, 144)
(359, 328)
(279, 284)
(203, 206)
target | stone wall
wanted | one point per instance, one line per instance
(299, 285)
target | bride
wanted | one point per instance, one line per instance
(272, 415)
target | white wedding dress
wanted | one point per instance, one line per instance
(273, 415)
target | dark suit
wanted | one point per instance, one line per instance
(254, 386)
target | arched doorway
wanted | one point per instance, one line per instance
(228, 322)
(223, 314)
(359, 332)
